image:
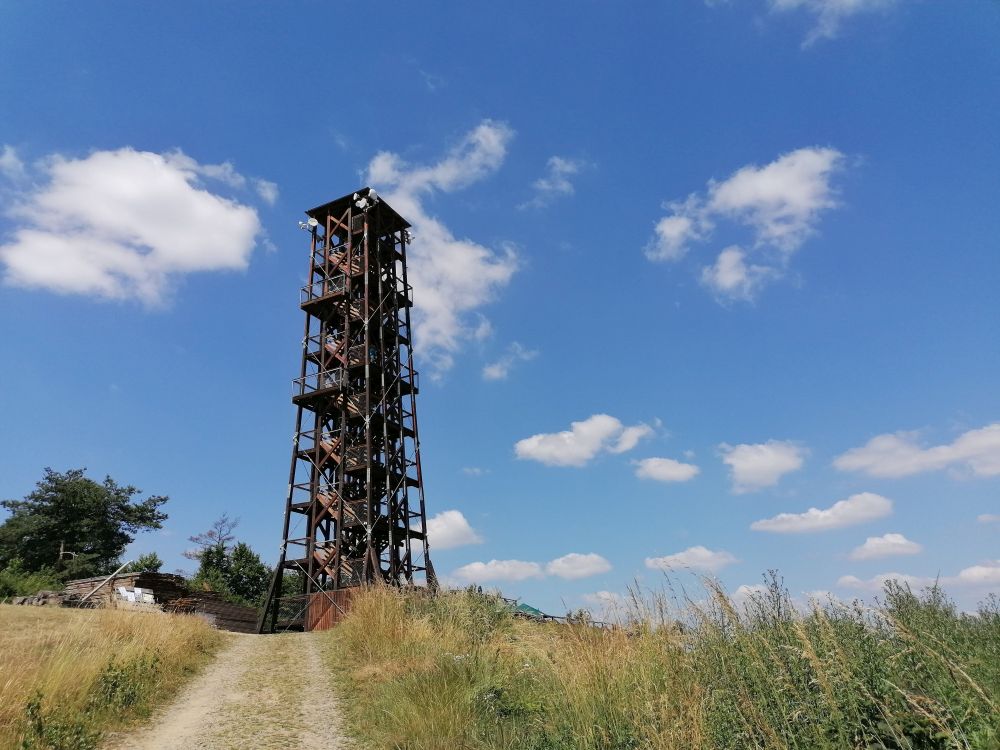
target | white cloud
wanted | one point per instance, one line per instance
(748, 593)
(604, 597)
(225, 173)
(500, 369)
(983, 575)
(986, 574)
(829, 14)
(900, 454)
(887, 545)
(730, 276)
(630, 437)
(124, 224)
(988, 518)
(582, 442)
(609, 605)
(555, 182)
(674, 233)
(267, 190)
(857, 509)
(576, 565)
(665, 470)
(754, 466)
(451, 277)
(498, 570)
(779, 203)
(698, 558)
(11, 165)
(450, 529)
(475, 471)
(877, 583)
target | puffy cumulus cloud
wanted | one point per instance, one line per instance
(556, 182)
(748, 593)
(887, 545)
(449, 528)
(697, 558)
(573, 566)
(857, 509)
(500, 369)
(582, 441)
(11, 165)
(451, 277)
(900, 454)
(829, 15)
(981, 576)
(604, 597)
(606, 605)
(630, 437)
(877, 583)
(731, 278)
(779, 204)
(782, 201)
(665, 470)
(267, 190)
(576, 565)
(498, 570)
(124, 224)
(674, 233)
(754, 466)
(986, 574)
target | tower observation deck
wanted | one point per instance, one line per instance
(354, 512)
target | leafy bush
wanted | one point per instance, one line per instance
(16, 581)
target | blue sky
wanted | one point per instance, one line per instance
(683, 272)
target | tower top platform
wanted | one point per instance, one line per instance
(386, 216)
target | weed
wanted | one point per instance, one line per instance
(58, 687)
(46, 730)
(457, 671)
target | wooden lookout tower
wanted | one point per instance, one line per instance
(354, 513)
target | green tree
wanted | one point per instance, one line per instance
(148, 563)
(246, 576)
(74, 525)
(233, 570)
(213, 563)
(217, 538)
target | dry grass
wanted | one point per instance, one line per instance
(66, 675)
(457, 671)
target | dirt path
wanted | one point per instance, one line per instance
(262, 692)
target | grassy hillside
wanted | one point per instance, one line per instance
(66, 674)
(456, 671)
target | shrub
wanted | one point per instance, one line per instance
(16, 581)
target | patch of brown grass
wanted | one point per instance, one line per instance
(89, 670)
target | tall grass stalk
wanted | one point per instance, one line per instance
(67, 675)
(458, 671)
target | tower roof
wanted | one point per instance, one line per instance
(384, 213)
